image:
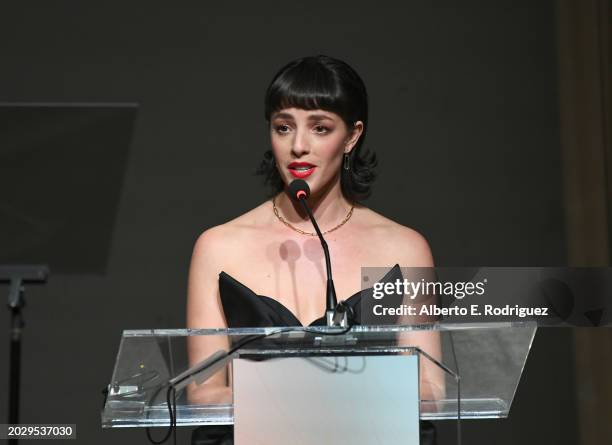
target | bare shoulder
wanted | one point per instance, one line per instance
(218, 241)
(402, 244)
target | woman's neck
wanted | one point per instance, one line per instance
(328, 207)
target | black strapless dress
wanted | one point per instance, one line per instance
(244, 308)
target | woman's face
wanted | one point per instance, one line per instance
(310, 145)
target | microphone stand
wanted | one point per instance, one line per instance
(332, 316)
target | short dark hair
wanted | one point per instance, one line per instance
(322, 82)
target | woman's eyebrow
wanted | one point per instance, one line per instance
(282, 116)
(312, 117)
(319, 117)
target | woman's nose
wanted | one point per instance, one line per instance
(300, 143)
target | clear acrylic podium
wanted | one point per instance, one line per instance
(481, 363)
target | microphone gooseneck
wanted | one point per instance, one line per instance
(299, 191)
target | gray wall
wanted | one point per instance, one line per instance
(464, 117)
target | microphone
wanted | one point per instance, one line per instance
(300, 191)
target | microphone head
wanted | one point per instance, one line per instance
(299, 189)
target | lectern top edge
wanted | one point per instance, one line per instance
(324, 329)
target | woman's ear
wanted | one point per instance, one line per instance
(356, 132)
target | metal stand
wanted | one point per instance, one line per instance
(16, 302)
(17, 276)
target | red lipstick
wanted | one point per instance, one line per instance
(301, 169)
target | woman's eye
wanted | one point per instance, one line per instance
(320, 129)
(282, 129)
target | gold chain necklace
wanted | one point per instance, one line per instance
(303, 232)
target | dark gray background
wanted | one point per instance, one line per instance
(464, 118)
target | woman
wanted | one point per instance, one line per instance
(317, 111)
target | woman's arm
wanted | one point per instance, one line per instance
(415, 252)
(204, 310)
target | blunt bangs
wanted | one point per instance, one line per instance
(314, 83)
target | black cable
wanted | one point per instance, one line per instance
(172, 416)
